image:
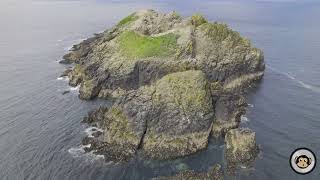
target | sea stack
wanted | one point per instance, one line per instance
(177, 82)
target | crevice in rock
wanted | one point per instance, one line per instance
(142, 137)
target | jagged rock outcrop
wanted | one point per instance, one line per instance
(177, 82)
(241, 147)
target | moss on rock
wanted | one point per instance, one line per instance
(187, 90)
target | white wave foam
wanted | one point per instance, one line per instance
(65, 78)
(90, 130)
(250, 105)
(68, 48)
(80, 152)
(243, 167)
(301, 83)
(75, 88)
(244, 119)
(86, 146)
(93, 156)
(77, 151)
(307, 86)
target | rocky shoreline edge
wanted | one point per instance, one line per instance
(176, 82)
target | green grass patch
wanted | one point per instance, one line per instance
(127, 20)
(134, 45)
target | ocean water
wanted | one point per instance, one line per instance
(40, 129)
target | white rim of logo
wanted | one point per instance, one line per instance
(303, 152)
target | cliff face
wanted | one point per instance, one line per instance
(177, 81)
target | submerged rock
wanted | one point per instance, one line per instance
(66, 72)
(177, 81)
(65, 92)
(241, 147)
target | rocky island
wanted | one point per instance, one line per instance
(176, 83)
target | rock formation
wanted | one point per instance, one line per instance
(241, 147)
(177, 82)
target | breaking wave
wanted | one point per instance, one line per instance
(244, 119)
(80, 152)
(90, 130)
(65, 78)
(75, 88)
